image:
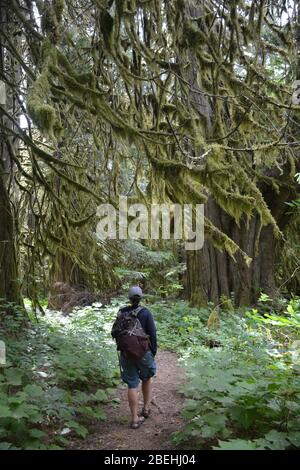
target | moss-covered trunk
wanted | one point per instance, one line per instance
(65, 276)
(10, 290)
(9, 282)
(211, 273)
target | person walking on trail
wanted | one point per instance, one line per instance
(135, 333)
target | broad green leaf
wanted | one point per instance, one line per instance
(19, 412)
(13, 376)
(100, 395)
(294, 438)
(33, 390)
(244, 416)
(5, 411)
(277, 440)
(215, 420)
(78, 428)
(236, 444)
(100, 414)
(5, 445)
(37, 433)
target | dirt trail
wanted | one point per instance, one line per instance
(114, 433)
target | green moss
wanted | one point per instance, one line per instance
(163, 126)
(52, 14)
(198, 299)
(64, 63)
(47, 50)
(169, 108)
(42, 114)
(191, 35)
(58, 7)
(226, 304)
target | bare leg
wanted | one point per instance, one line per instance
(147, 393)
(133, 403)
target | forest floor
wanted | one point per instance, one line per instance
(115, 434)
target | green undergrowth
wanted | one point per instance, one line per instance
(60, 371)
(243, 387)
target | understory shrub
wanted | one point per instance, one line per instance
(58, 374)
(243, 387)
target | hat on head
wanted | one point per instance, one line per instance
(135, 291)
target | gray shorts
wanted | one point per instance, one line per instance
(134, 371)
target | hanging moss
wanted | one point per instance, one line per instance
(223, 243)
(58, 7)
(42, 114)
(52, 13)
(191, 36)
(47, 51)
(234, 204)
(214, 100)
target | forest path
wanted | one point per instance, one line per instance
(115, 434)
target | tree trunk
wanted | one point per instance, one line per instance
(211, 273)
(9, 280)
(65, 278)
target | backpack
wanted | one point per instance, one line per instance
(130, 336)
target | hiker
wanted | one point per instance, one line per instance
(135, 334)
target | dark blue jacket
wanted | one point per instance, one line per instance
(147, 322)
